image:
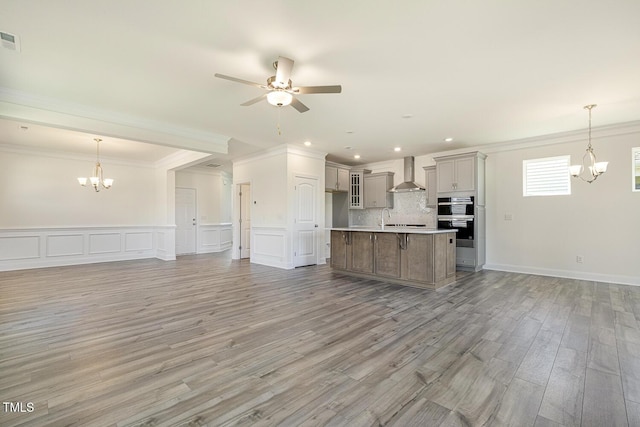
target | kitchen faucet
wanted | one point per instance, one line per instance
(382, 217)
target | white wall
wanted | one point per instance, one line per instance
(48, 219)
(43, 191)
(213, 207)
(266, 174)
(270, 175)
(213, 193)
(598, 221)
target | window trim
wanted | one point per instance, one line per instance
(635, 169)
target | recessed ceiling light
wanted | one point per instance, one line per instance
(307, 143)
(449, 139)
(407, 116)
(349, 131)
(348, 147)
(357, 156)
(397, 149)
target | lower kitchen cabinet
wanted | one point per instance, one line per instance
(339, 246)
(387, 255)
(362, 252)
(426, 260)
(429, 258)
(417, 262)
(445, 257)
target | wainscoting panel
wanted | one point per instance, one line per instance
(226, 236)
(214, 237)
(48, 247)
(19, 247)
(65, 245)
(166, 243)
(138, 241)
(269, 247)
(104, 243)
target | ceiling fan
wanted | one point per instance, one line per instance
(280, 91)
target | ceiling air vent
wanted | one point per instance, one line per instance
(212, 165)
(10, 41)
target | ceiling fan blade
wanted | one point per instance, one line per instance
(299, 106)
(235, 79)
(254, 100)
(317, 89)
(283, 72)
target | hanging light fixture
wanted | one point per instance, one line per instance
(595, 169)
(96, 180)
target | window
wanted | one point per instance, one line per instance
(635, 168)
(546, 177)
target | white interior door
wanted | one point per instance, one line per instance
(245, 220)
(185, 221)
(305, 233)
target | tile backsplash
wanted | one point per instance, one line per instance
(408, 208)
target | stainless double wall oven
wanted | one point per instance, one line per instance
(458, 213)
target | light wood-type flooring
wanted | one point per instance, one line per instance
(206, 340)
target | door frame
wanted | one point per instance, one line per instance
(236, 216)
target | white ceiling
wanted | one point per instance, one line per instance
(478, 71)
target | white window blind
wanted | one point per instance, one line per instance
(546, 177)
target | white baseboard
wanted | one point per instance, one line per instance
(569, 274)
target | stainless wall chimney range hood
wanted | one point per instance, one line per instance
(409, 183)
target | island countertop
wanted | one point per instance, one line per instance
(395, 229)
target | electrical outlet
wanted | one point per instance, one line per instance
(579, 259)
(508, 216)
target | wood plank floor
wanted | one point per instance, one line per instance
(210, 341)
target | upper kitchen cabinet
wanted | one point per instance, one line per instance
(461, 173)
(376, 190)
(336, 178)
(431, 186)
(356, 188)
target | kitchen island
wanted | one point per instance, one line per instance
(419, 257)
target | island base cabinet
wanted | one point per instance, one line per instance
(417, 258)
(387, 255)
(413, 259)
(339, 249)
(429, 259)
(445, 258)
(362, 252)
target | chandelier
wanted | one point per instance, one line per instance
(595, 169)
(97, 181)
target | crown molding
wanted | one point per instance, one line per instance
(181, 159)
(65, 155)
(280, 150)
(600, 132)
(16, 105)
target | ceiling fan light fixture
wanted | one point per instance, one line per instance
(279, 98)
